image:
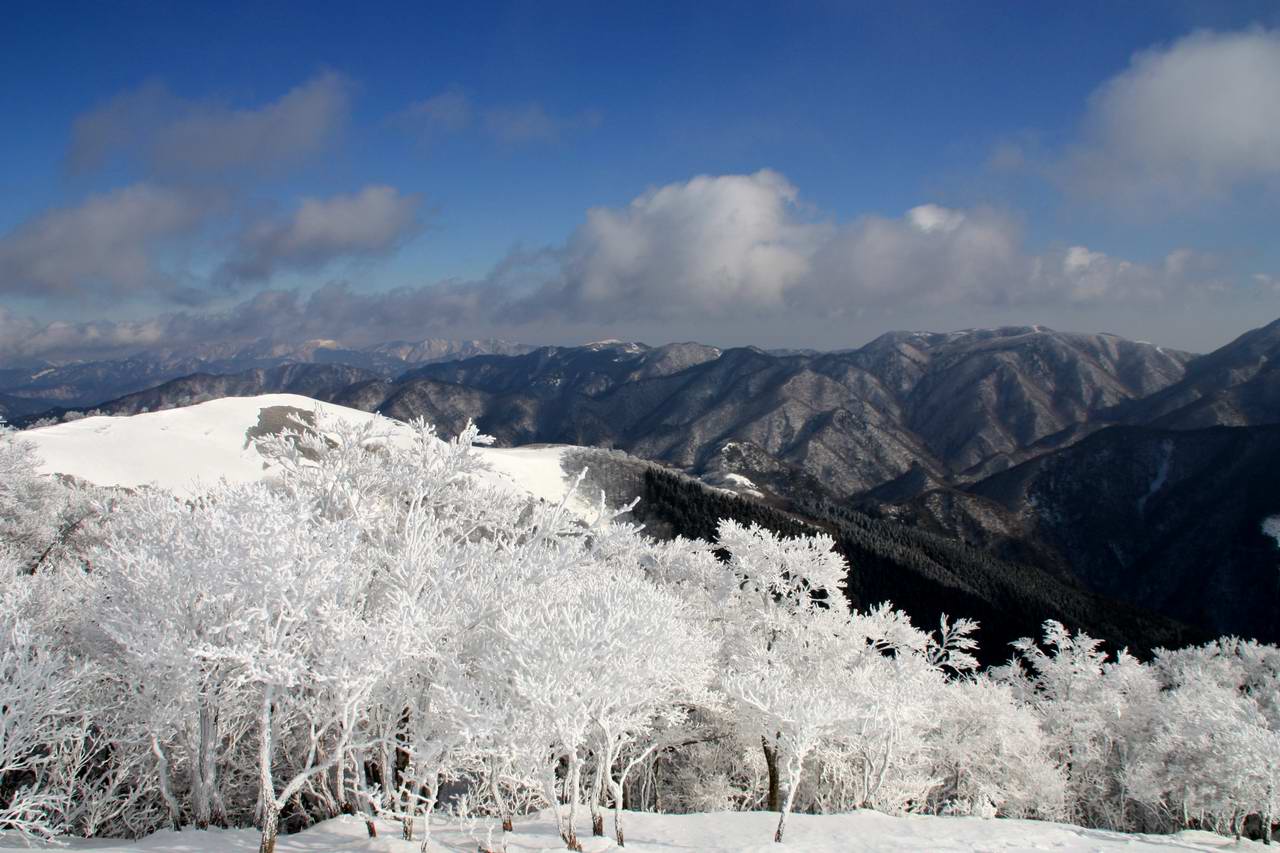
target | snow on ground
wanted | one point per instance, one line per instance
(1161, 476)
(1271, 527)
(725, 832)
(540, 470)
(732, 483)
(186, 449)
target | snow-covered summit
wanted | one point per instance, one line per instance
(187, 449)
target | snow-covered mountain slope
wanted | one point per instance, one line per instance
(722, 832)
(186, 449)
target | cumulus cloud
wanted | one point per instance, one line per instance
(1185, 122)
(373, 221)
(706, 245)
(105, 246)
(716, 247)
(173, 136)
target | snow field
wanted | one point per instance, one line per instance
(722, 832)
(186, 450)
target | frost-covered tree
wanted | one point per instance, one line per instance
(807, 675)
(380, 617)
(990, 756)
(42, 521)
(243, 604)
(1099, 718)
(774, 587)
(39, 689)
(592, 655)
(1218, 735)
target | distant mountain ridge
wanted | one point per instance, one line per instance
(956, 406)
(86, 384)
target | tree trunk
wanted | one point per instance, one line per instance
(166, 789)
(565, 827)
(499, 802)
(201, 783)
(270, 808)
(795, 765)
(597, 794)
(362, 785)
(270, 826)
(782, 818)
(571, 788)
(615, 788)
(771, 763)
(433, 793)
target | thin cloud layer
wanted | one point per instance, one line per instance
(447, 112)
(174, 137)
(714, 250)
(515, 125)
(1184, 123)
(103, 247)
(453, 112)
(373, 221)
(334, 311)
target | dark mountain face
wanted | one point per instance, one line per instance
(74, 386)
(1232, 386)
(17, 408)
(1170, 521)
(890, 561)
(987, 395)
(945, 403)
(1167, 520)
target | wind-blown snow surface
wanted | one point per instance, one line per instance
(725, 832)
(185, 449)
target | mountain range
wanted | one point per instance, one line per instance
(37, 387)
(1121, 468)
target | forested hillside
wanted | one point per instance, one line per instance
(930, 573)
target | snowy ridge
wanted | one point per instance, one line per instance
(716, 832)
(186, 450)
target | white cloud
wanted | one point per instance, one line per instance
(931, 217)
(1267, 282)
(711, 243)
(1183, 123)
(731, 245)
(373, 221)
(105, 246)
(177, 137)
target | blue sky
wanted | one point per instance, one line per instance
(732, 173)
